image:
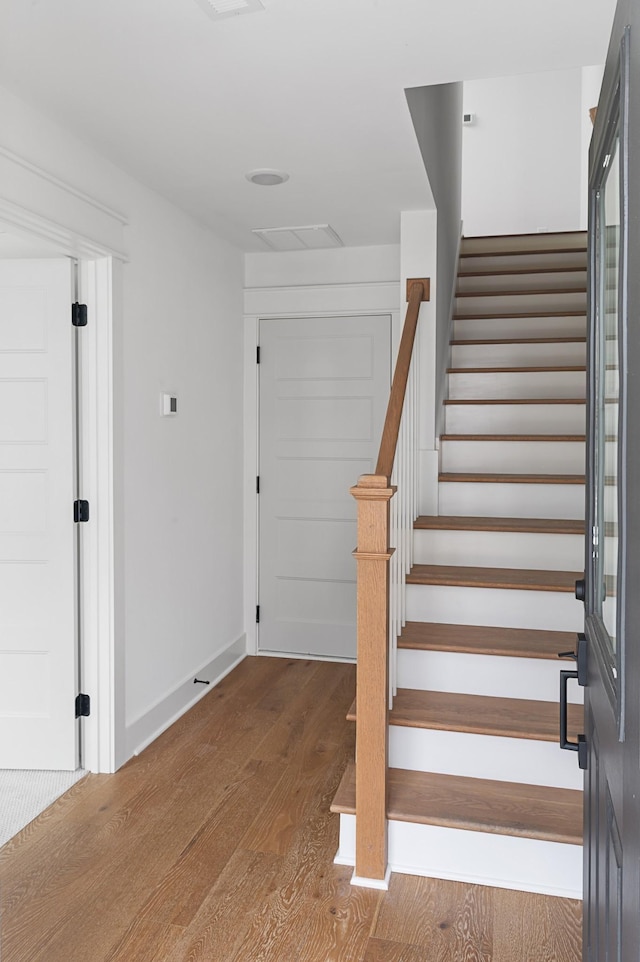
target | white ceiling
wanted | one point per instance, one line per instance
(313, 87)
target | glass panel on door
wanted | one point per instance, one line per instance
(606, 549)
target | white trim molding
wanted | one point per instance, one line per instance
(57, 182)
(99, 654)
(38, 203)
(318, 300)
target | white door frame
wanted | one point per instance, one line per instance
(101, 658)
(326, 300)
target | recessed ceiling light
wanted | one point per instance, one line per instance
(267, 177)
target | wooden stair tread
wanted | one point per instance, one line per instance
(516, 370)
(474, 576)
(483, 715)
(475, 804)
(520, 525)
(484, 640)
(497, 316)
(480, 715)
(512, 437)
(517, 400)
(523, 293)
(513, 252)
(507, 271)
(520, 340)
(486, 478)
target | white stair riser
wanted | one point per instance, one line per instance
(479, 858)
(487, 500)
(510, 327)
(495, 676)
(497, 607)
(508, 302)
(522, 262)
(517, 384)
(553, 280)
(543, 241)
(514, 457)
(514, 418)
(499, 549)
(483, 756)
(518, 355)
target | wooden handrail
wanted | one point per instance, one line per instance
(418, 291)
(373, 495)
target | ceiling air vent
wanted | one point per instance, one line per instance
(314, 237)
(219, 9)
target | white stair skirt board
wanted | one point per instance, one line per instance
(496, 676)
(553, 242)
(509, 302)
(517, 384)
(513, 500)
(514, 418)
(479, 858)
(507, 327)
(499, 549)
(484, 756)
(498, 607)
(524, 262)
(514, 457)
(553, 280)
(518, 355)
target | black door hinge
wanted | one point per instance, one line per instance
(258, 484)
(83, 706)
(79, 315)
(257, 614)
(80, 510)
(258, 354)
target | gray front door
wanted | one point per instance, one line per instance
(612, 570)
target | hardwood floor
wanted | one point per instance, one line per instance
(216, 845)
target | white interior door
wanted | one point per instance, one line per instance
(324, 387)
(38, 646)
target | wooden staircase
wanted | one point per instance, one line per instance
(478, 788)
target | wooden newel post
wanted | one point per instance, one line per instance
(373, 494)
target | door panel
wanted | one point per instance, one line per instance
(612, 564)
(37, 538)
(324, 386)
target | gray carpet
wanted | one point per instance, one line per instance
(23, 795)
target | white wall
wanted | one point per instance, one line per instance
(179, 525)
(522, 159)
(436, 113)
(183, 504)
(343, 265)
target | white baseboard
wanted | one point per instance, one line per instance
(146, 728)
(305, 656)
